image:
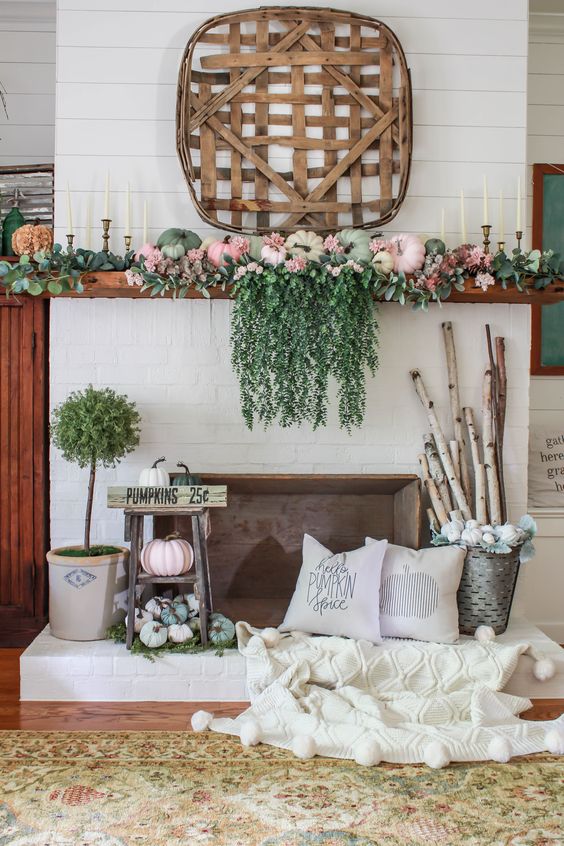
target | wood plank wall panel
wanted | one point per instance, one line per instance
(114, 111)
(23, 501)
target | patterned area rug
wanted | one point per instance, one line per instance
(126, 789)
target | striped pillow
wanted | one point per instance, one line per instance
(418, 592)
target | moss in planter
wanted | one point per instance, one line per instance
(93, 552)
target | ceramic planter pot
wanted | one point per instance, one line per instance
(83, 593)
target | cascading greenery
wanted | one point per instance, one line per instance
(292, 332)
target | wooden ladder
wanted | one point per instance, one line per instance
(199, 577)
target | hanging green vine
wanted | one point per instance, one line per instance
(291, 332)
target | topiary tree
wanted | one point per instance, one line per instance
(95, 428)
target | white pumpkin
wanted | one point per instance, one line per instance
(509, 534)
(153, 634)
(172, 556)
(155, 606)
(471, 537)
(305, 244)
(384, 262)
(154, 476)
(190, 600)
(273, 255)
(141, 617)
(180, 633)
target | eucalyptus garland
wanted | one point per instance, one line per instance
(293, 331)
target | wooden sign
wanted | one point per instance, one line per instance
(169, 498)
(546, 467)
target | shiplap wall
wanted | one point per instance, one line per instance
(27, 72)
(116, 88)
(116, 84)
(546, 144)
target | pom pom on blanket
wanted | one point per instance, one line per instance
(499, 749)
(544, 669)
(436, 755)
(484, 634)
(554, 741)
(367, 753)
(250, 733)
(201, 720)
(271, 637)
(303, 746)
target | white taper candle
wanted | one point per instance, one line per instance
(69, 212)
(107, 197)
(485, 212)
(463, 232)
(145, 221)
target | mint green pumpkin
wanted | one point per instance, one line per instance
(153, 634)
(172, 615)
(355, 242)
(256, 245)
(173, 251)
(220, 629)
(186, 478)
(184, 237)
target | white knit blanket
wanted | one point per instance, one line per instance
(401, 695)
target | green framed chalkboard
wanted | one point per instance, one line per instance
(547, 343)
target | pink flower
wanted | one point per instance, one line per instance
(153, 260)
(335, 271)
(477, 259)
(241, 244)
(376, 245)
(134, 278)
(358, 268)
(274, 240)
(431, 282)
(294, 265)
(146, 251)
(240, 272)
(484, 281)
(333, 245)
(196, 255)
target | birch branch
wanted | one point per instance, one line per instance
(501, 411)
(433, 523)
(489, 449)
(437, 471)
(479, 468)
(441, 444)
(431, 487)
(455, 408)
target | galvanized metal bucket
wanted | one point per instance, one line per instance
(485, 594)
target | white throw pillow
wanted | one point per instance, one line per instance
(337, 594)
(418, 592)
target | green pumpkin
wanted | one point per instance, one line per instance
(153, 634)
(435, 247)
(256, 245)
(220, 629)
(172, 615)
(355, 242)
(186, 478)
(187, 239)
(173, 251)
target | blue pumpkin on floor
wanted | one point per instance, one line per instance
(220, 629)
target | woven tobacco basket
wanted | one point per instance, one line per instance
(294, 118)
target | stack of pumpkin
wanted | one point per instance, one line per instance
(176, 620)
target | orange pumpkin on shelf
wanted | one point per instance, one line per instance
(31, 238)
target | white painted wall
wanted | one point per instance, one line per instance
(545, 143)
(27, 72)
(115, 109)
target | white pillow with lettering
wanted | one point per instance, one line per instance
(418, 592)
(337, 594)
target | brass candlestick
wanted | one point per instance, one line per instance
(127, 239)
(501, 246)
(486, 229)
(519, 235)
(70, 239)
(106, 234)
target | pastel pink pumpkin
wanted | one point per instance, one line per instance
(217, 250)
(408, 252)
(273, 255)
(172, 556)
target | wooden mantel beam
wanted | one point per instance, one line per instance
(114, 285)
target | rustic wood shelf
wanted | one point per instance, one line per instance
(113, 284)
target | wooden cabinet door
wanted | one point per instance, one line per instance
(23, 468)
